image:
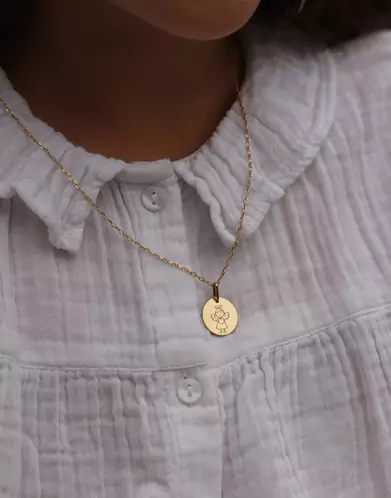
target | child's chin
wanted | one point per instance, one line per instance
(213, 29)
(193, 19)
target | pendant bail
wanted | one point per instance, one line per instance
(216, 294)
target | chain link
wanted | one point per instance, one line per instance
(130, 239)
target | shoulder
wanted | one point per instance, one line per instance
(366, 57)
(363, 71)
(361, 68)
(350, 83)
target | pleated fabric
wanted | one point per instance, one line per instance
(111, 387)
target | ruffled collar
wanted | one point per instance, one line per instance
(289, 94)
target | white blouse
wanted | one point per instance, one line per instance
(111, 387)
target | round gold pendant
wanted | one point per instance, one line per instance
(220, 318)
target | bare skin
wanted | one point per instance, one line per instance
(113, 81)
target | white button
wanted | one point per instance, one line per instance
(154, 198)
(189, 391)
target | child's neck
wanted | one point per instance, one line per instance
(122, 88)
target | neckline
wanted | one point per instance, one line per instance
(289, 94)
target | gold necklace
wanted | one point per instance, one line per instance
(219, 315)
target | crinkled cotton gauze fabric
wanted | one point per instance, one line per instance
(110, 386)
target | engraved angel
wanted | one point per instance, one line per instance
(221, 317)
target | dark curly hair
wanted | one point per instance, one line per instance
(328, 21)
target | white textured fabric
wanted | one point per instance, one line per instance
(110, 387)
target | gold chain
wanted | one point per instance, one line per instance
(130, 239)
